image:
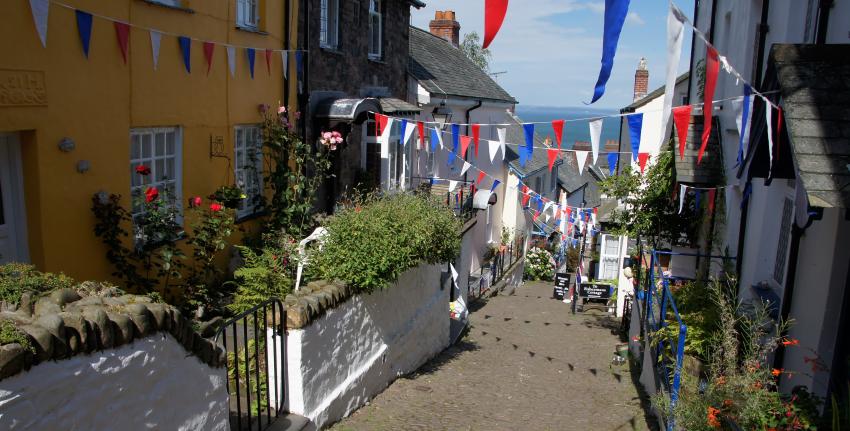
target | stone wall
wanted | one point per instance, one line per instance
(346, 355)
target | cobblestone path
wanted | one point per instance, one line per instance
(525, 364)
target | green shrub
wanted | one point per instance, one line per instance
(373, 243)
(266, 273)
(17, 278)
(10, 334)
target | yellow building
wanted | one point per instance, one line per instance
(72, 126)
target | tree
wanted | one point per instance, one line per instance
(648, 209)
(471, 47)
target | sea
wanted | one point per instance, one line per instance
(573, 130)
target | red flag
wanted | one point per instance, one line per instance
(494, 15)
(209, 48)
(421, 126)
(682, 118)
(476, 134)
(711, 194)
(558, 126)
(122, 32)
(569, 211)
(778, 129)
(595, 211)
(380, 123)
(464, 145)
(269, 61)
(558, 212)
(712, 68)
(481, 176)
(525, 195)
(642, 159)
(552, 153)
(536, 214)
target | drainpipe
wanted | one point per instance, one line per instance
(690, 81)
(763, 29)
(788, 293)
(468, 128)
(713, 19)
(287, 44)
(823, 20)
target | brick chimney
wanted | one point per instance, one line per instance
(641, 80)
(444, 25)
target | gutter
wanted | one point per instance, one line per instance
(763, 29)
(823, 20)
(690, 79)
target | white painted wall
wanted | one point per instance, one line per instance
(353, 352)
(152, 383)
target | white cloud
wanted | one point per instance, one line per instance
(634, 18)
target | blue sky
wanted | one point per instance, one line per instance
(551, 49)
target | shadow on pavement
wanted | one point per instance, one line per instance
(443, 358)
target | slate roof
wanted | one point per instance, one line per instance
(814, 81)
(443, 69)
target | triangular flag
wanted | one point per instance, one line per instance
(476, 137)
(452, 186)
(284, 63)
(380, 124)
(493, 148)
(744, 122)
(711, 196)
(615, 17)
(495, 184)
(436, 139)
(675, 33)
(526, 152)
(481, 176)
(231, 60)
(385, 138)
(683, 189)
(536, 215)
(408, 130)
(768, 113)
(682, 118)
(122, 33)
(595, 136)
(494, 15)
(186, 49)
(421, 127)
(40, 10)
(209, 48)
(612, 163)
(403, 128)
(635, 126)
(465, 168)
(464, 144)
(558, 127)
(712, 68)
(84, 29)
(502, 132)
(455, 144)
(581, 159)
(156, 37)
(269, 61)
(642, 159)
(299, 64)
(552, 155)
(696, 199)
(251, 54)
(525, 195)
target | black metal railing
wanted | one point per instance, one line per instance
(493, 271)
(256, 362)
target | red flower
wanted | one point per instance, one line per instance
(195, 202)
(143, 170)
(151, 194)
(790, 342)
(712, 417)
(214, 207)
(776, 372)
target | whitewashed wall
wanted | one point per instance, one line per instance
(152, 383)
(353, 352)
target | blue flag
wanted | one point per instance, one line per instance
(525, 153)
(84, 28)
(299, 63)
(635, 124)
(435, 140)
(612, 163)
(495, 184)
(186, 49)
(748, 92)
(615, 17)
(251, 55)
(696, 200)
(455, 140)
(403, 130)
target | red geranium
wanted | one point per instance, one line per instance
(151, 194)
(195, 202)
(214, 207)
(143, 170)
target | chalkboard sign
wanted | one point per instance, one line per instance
(562, 283)
(595, 291)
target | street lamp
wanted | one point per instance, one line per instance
(442, 114)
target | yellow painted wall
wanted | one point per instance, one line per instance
(96, 101)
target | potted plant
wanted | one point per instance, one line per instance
(229, 196)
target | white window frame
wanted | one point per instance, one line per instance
(172, 3)
(139, 183)
(395, 170)
(248, 14)
(243, 135)
(375, 52)
(329, 24)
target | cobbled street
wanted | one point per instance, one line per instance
(526, 363)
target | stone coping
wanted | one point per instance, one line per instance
(313, 300)
(93, 317)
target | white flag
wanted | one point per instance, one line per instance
(452, 186)
(595, 136)
(408, 132)
(682, 190)
(466, 167)
(743, 129)
(385, 139)
(768, 112)
(493, 146)
(503, 133)
(581, 159)
(284, 60)
(675, 33)
(40, 10)
(454, 272)
(231, 60)
(155, 38)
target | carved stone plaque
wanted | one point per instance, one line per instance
(22, 88)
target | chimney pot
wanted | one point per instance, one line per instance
(445, 26)
(641, 80)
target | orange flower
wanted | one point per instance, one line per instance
(727, 403)
(776, 372)
(721, 381)
(712, 417)
(790, 342)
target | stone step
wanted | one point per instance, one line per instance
(291, 422)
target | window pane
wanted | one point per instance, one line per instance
(159, 170)
(170, 139)
(159, 138)
(146, 145)
(135, 147)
